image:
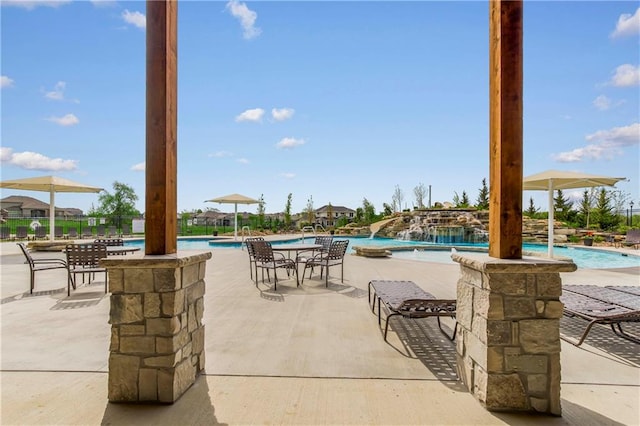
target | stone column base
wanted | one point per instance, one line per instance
(508, 344)
(157, 335)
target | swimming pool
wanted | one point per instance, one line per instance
(417, 250)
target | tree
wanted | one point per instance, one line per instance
(388, 210)
(461, 202)
(585, 207)
(310, 211)
(397, 198)
(420, 191)
(329, 215)
(532, 210)
(562, 206)
(121, 203)
(604, 211)
(482, 203)
(261, 212)
(369, 212)
(287, 213)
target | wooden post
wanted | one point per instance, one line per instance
(161, 138)
(505, 126)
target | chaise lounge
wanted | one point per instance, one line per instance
(611, 305)
(406, 299)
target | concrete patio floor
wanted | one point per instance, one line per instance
(309, 355)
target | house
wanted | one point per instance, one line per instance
(21, 206)
(336, 212)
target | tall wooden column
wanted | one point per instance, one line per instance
(505, 124)
(162, 124)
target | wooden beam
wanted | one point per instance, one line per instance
(505, 126)
(162, 123)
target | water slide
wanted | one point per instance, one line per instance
(375, 227)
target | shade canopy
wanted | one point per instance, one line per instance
(552, 180)
(234, 199)
(50, 184)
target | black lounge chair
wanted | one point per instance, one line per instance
(601, 305)
(22, 232)
(5, 233)
(406, 299)
(632, 239)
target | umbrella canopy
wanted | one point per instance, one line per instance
(234, 199)
(552, 180)
(50, 184)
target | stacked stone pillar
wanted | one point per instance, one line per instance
(157, 334)
(508, 344)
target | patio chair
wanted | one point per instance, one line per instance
(266, 259)
(100, 231)
(325, 260)
(84, 259)
(39, 264)
(252, 257)
(304, 256)
(5, 233)
(22, 232)
(58, 232)
(72, 233)
(40, 233)
(632, 239)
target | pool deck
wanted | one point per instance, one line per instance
(305, 356)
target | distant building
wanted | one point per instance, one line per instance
(337, 212)
(21, 206)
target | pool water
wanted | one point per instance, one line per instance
(582, 257)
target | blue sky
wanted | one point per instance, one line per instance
(333, 101)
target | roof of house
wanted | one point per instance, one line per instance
(336, 209)
(31, 203)
(25, 202)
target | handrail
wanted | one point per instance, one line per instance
(242, 235)
(308, 228)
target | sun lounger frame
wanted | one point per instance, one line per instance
(406, 299)
(601, 305)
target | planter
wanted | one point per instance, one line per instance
(588, 242)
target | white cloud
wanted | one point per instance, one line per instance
(5, 82)
(627, 25)
(5, 154)
(254, 115)
(288, 175)
(135, 18)
(140, 167)
(221, 154)
(34, 161)
(281, 114)
(57, 94)
(289, 143)
(67, 120)
(242, 161)
(602, 103)
(247, 18)
(605, 144)
(32, 4)
(625, 76)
